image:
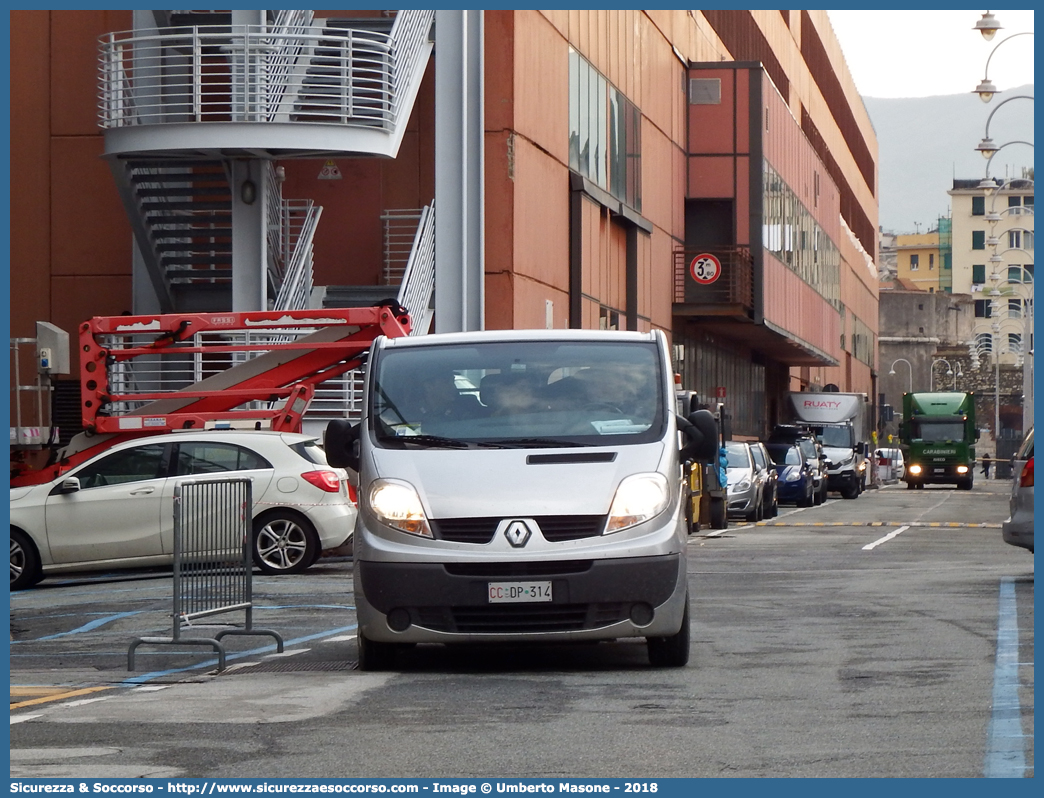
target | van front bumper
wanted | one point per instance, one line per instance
(591, 600)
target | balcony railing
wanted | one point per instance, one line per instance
(733, 284)
(257, 74)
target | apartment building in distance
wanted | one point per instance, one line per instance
(713, 174)
(993, 261)
(918, 261)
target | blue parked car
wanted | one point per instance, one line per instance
(795, 481)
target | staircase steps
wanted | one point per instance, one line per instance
(357, 296)
(187, 209)
(324, 83)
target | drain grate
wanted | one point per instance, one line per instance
(286, 666)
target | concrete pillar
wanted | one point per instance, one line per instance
(459, 158)
(249, 235)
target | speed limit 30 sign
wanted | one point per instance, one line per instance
(705, 268)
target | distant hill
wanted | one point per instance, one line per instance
(925, 142)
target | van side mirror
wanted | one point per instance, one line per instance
(701, 431)
(341, 442)
(861, 448)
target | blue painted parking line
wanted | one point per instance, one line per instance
(148, 677)
(85, 628)
(1006, 743)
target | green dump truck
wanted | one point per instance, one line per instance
(938, 435)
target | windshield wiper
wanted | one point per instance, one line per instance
(437, 441)
(533, 443)
(428, 440)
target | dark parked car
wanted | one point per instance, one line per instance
(770, 496)
(795, 480)
(812, 451)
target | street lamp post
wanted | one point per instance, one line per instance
(891, 369)
(931, 372)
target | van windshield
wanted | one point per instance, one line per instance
(519, 393)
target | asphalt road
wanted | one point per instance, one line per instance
(891, 636)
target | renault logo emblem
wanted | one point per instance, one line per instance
(517, 534)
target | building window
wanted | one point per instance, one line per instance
(1015, 308)
(1017, 275)
(931, 261)
(978, 239)
(979, 273)
(978, 206)
(625, 150)
(984, 342)
(983, 309)
(1014, 239)
(1015, 343)
(1014, 202)
(605, 140)
(792, 235)
(915, 262)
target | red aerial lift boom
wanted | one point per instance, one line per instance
(282, 356)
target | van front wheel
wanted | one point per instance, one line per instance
(375, 656)
(671, 651)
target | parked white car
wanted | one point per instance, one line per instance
(117, 509)
(891, 466)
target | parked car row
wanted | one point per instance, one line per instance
(789, 467)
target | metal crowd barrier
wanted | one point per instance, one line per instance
(213, 562)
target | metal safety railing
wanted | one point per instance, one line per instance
(213, 563)
(252, 73)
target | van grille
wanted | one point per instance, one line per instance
(466, 530)
(555, 528)
(507, 619)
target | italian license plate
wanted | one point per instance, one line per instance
(519, 592)
(939, 470)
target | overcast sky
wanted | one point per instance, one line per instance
(926, 53)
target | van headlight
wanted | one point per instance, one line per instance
(962, 469)
(639, 498)
(742, 485)
(915, 469)
(396, 504)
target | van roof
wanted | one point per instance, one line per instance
(486, 336)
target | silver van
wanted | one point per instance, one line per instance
(548, 507)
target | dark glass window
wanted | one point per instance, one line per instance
(978, 239)
(978, 206)
(983, 309)
(203, 457)
(130, 465)
(979, 273)
(605, 133)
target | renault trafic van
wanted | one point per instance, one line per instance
(542, 503)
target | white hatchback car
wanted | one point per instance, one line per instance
(117, 509)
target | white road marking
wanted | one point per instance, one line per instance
(885, 539)
(339, 639)
(282, 654)
(21, 718)
(82, 701)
